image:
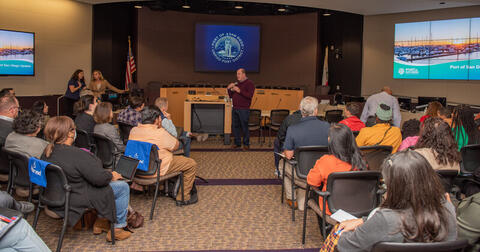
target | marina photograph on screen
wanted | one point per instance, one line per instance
(16, 53)
(443, 49)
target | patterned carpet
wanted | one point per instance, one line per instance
(242, 215)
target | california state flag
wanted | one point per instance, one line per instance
(325, 68)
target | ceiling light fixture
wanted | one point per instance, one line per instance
(238, 6)
(326, 14)
(281, 9)
(186, 5)
(138, 6)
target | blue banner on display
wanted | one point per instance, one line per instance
(141, 151)
(36, 171)
(227, 47)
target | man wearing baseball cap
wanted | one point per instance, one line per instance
(382, 133)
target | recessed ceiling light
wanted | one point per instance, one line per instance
(138, 6)
(185, 6)
(238, 7)
(281, 9)
(326, 14)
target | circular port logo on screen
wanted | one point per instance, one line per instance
(401, 71)
(227, 47)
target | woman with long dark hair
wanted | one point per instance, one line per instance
(438, 146)
(74, 86)
(415, 208)
(344, 156)
(84, 109)
(463, 126)
(91, 185)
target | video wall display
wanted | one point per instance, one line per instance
(17, 53)
(443, 49)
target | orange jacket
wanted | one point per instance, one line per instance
(318, 175)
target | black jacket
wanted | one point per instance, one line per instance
(5, 129)
(89, 181)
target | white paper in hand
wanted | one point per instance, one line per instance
(341, 215)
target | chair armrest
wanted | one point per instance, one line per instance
(291, 162)
(321, 193)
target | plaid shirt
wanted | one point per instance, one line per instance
(129, 116)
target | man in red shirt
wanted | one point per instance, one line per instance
(352, 111)
(241, 93)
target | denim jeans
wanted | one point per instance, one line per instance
(121, 192)
(185, 143)
(22, 237)
(240, 125)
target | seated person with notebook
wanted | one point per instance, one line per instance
(415, 209)
(150, 130)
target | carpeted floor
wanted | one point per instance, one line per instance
(239, 209)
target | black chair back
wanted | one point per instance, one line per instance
(19, 167)
(105, 150)
(334, 116)
(124, 131)
(83, 140)
(4, 163)
(55, 194)
(255, 118)
(355, 192)
(374, 155)
(277, 116)
(470, 158)
(306, 158)
(153, 165)
(450, 246)
(447, 176)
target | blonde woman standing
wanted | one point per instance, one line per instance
(98, 85)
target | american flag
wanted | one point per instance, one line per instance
(131, 68)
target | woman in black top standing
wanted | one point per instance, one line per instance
(75, 85)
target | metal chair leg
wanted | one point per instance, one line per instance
(62, 233)
(154, 201)
(293, 197)
(37, 214)
(182, 186)
(112, 232)
(283, 181)
(304, 229)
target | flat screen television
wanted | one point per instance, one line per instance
(425, 100)
(441, 49)
(227, 47)
(17, 53)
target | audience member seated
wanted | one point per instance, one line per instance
(84, 109)
(290, 120)
(7, 92)
(309, 131)
(103, 116)
(185, 138)
(41, 107)
(151, 131)
(92, 186)
(20, 237)
(437, 145)
(468, 222)
(432, 110)
(344, 156)
(384, 97)
(8, 111)
(131, 115)
(382, 133)
(352, 111)
(23, 139)
(445, 114)
(410, 132)
(463, 126)
(415, 209)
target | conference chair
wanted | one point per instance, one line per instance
(106, 151)
(154, 168)
(84, 140)
(374, 155)
(470, 159)
(124, 131)
(254, 122)
(305, 159)
(355, 192)
(334, 116)
(18, 175)
(447, 177)
(448, 246)
(57, 195)
(276, 118)
(4, 166)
